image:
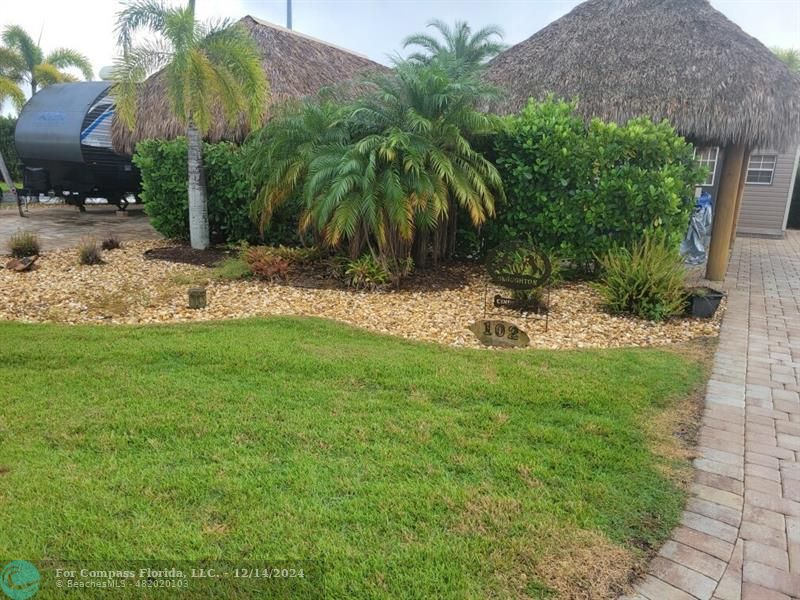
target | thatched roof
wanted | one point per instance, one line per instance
(296, 65)
(675, 59)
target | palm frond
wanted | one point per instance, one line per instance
(16, 38)
(137, 15)
(9, 90)
(66, 58)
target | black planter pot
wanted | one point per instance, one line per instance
(703, 302)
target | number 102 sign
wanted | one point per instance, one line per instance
(492, 332)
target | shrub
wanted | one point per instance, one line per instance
(232, 269)
(366, 273)
(111, 243)
(265, 264)
(164, 192)
(646, 280)
(578, 191)
(89, 252)
(23, 243)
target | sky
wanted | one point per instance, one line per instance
(375, 28)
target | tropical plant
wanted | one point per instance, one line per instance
(388, 170)
(23, 61)
(646, 280)
(460, 52)
(790, 56)
(205, 66)
(366, 273)
(266, 264)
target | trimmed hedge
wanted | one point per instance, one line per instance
(578, 191)
(163, 165)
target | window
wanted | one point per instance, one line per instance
(760, 169)
(707, 157)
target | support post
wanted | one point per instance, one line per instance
(739, 196)
(725, 213)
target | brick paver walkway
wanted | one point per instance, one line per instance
(739, 537)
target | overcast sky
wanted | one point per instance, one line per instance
(372, 27)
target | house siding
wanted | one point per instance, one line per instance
(764, 207)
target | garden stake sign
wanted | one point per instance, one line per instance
(499, 333)
(526, 271)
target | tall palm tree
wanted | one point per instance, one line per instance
(9, 90)
(791, 56)
(205, 65)
(460, 52)
(23, 61)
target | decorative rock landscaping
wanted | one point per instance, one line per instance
(128, 288)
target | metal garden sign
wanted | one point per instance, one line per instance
(526, 272)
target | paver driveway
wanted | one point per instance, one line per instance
(61, 226)
(739, 537)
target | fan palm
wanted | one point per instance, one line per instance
(205, 66)
(22, 60)
(460, 52)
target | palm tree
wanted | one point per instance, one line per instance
(23, 60)
(791, 56)
(9, 90)
(460, 52)
(400, 164)
(205, 66)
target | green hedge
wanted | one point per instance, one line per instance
(578, 190)
(164, 169)
(9, 150)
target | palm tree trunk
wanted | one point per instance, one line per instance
(198, 202)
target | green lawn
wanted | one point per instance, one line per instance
(405, 470)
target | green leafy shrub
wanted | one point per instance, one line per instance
(578, 191)
(366, 273)
(23, 243)
(164, 192)
(89, 252)
(646, 280)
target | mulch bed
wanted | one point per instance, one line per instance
(136, 285)
(186, 255)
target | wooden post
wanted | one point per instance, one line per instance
(197, 297)
(725, 213)
(739, 195)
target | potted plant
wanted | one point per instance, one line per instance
(703, 302)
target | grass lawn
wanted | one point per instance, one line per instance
(405, 470)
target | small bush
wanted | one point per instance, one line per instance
(366, 273)
(647, 280)
(111, 243)
(24, 243)
(89, 252)
(232, 269)
(265, 264)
